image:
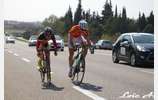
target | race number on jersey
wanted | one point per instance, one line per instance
(123, 51)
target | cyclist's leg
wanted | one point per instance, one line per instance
(71, 54)
(48, 69)
(85, 51)
(40, 61)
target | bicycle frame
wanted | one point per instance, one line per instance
(78, 56)
(79, 62)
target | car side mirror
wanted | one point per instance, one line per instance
(124, 43)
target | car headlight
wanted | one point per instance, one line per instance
(140, 48)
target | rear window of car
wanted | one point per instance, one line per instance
(11, 37)
(142, 38)
(109, 42)
(57, 37)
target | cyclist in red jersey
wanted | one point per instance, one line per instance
(42, 43)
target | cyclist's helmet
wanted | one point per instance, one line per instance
(48, 31)
(83, 24)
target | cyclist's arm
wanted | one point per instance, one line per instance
(54, 41)
(87, 38)
(55, 44)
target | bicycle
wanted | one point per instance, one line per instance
(78, 67)
(45, 66)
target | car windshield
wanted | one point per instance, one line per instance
(11, 37)
(108, 42)
(100, 41)
(57, 37)
(33, 37)
(142, 38)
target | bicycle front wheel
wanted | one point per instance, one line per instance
(78, 72)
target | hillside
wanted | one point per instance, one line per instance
(20, 27)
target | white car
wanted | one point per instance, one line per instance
(103, 44)
(32, 40)
(59, 41)
(10, 39)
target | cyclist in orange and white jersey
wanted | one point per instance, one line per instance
(78, 34)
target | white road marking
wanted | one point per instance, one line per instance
(147, 72)
(26, 60)
(88, 93)
(16, 54)
(106, 54)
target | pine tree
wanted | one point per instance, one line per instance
(68, 22)
(150, 19)
(107, 12)
(116, 11)
(142, 22)
(88, 15)
(78, 13)
(124, 24)
(150, 24)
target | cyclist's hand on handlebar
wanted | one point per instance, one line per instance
(91, 48)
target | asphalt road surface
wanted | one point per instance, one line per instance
(104, 80)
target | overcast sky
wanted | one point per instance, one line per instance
(38, 10)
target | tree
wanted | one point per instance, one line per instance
(116, 11)
(58, 27)
(151, 18)
(88, 16)
(149, 28)
(132, 25)
(68, 22)
(142, 22)
(124, 24)
(49, 21)
(78, 13)
(94, 26)
(107, 12)
(150, 22)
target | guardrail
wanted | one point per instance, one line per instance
(24, 40)
(21, 39)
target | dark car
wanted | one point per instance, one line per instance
(135, 48)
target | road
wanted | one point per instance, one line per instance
(104, 80)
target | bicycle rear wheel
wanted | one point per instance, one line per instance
(78, 72)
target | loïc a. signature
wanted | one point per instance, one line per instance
(135, 95)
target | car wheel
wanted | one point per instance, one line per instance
(114, 57)
(62, 49)
(132, 60)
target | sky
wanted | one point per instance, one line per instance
(38, 10)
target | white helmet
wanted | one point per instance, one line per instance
(83, 24)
